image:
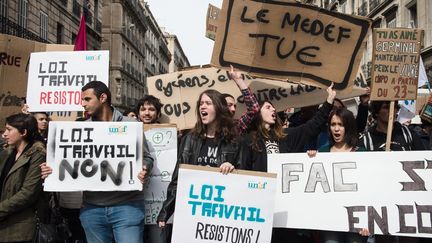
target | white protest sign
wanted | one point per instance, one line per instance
(386, 192)
(162, 141)
(94, 156)
(55, 79)
(213, 207)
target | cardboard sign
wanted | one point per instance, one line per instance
(14, 60)
(179, 92)
(162, 141)
(395, 63)
(213, 207)
(212, 21)
(56, 78)
(386, 192)
(94, 156)
(286, 40)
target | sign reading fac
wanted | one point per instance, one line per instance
(212, 207)
(286, 40)
(55, 79)
(94, 156)
(396, 57)
(385, 192)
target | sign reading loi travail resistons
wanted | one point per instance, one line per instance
(396, 57)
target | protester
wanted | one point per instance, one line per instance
(130, 113)
(21, 185)
(268, 137)
(252, 106)
(402, 138)
(42, 119)
(343, 138)
(148, 109)
(212, 143)
(115, 215)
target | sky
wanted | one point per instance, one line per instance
(186, 19)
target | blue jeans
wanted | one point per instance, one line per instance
(124, 223)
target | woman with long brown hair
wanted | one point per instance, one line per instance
(212, 143)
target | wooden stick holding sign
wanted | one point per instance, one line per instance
(390, 125)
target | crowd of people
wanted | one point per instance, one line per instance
(216, 140)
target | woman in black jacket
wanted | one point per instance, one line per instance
(211, 143)
(268, 136)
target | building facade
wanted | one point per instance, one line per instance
(54, 22)
(178, 58)
(137, 49)
(389, 14)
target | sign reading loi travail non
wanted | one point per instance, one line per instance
(94, 156)
(55, 79)
(396, 57)
(286, 40)
(212, 207)
(179, 92)
(385, 192)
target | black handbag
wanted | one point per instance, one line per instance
(56, 230)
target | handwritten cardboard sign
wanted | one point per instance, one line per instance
(385, 192)
(179, 92)
(212, 207)
(14, 60)
(212, 21)
(94, 156)
(56, 78)
(288, 40)
(395, 64)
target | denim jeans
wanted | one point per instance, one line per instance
(124, 223)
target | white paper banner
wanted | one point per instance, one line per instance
(212, 207)
(94, 156)
(387, 192)
(55, 79)
(162, 141)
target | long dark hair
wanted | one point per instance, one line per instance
(25, 122)
(259, 131)
(349, 123)
(224, 122)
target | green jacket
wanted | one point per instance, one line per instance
(21, 191)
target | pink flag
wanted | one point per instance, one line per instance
(81, 39)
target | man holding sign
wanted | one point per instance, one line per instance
(110, 215)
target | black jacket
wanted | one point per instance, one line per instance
(188, 153)
(403, 139)
(294, 142)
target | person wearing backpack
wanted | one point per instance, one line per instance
(374, 139)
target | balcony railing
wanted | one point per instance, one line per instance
(10, 28)
(98, 26)
(363, 9)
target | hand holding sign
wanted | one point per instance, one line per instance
(331, 94)
(143, 175)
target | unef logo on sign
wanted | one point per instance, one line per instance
(257, 185)
(117, 129)
(93, 57)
